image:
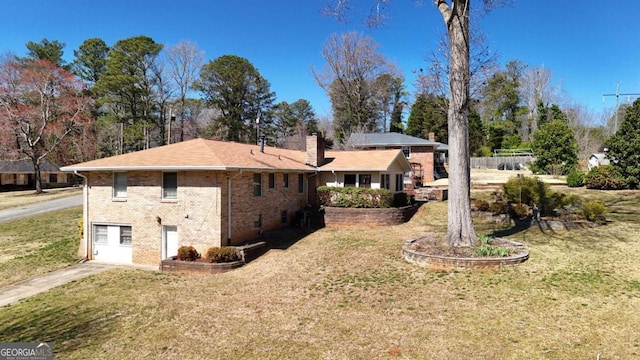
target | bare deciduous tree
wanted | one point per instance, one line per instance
(185, 60)
(455, 14)
(352, 65)
(536, 87)
(40, 105)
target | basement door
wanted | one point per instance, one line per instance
(112, 243)
(169, 241)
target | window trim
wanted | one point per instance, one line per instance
(285, 181)
(399, 182)
(164, 187)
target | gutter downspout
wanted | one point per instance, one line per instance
(335, 182)
(85, 213)
(229, 205)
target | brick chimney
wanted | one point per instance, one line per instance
(432, 137)
(315, 150)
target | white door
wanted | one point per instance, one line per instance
(169, 241)
(112, 243)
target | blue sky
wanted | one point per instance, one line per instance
(589, 45)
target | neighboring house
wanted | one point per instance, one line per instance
(596, 160)
(20, 174)
(427, 157)
(140, 207)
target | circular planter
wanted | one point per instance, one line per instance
(444, 262)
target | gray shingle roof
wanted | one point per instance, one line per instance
(25, 166)
(388, 139)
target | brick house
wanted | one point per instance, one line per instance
(140, 207)
(427, 157)
(20, 174)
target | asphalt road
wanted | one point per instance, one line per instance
(25, 211)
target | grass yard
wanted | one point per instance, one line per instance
(24, 197)
(348, 294)
(37, 245)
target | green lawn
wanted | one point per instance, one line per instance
(39, 244)
(348, 294)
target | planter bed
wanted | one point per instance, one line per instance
(247, 253)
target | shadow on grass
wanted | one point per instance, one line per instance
(66, 324)
(286, 237)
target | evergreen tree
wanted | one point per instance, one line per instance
(555, 148)
(624, 146)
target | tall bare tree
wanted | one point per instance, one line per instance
(455, 14)
(536, 88)
(185, 61)
(40, 105)
(352, 65)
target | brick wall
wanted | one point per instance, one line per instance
(336, 216)
(247, 209)
(199, 212)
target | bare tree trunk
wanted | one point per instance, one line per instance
(460, 225)
(38, 176)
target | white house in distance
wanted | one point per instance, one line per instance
(598, 159)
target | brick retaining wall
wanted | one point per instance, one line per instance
(336, 216)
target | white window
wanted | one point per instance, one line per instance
(125, 235)
(101, 234)
(119, 184)
(170, 185)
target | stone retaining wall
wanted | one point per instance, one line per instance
(336, 216)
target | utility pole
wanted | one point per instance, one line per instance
(617, 95)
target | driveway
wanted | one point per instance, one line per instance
(24, 289)
(26, 211)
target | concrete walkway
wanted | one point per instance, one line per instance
(27, 288)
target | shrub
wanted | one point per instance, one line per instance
(499, 207)
(519, 211)
(188, 253)
(354, 197)
(575, 177)
(604, 178)
(594, 211)
(401, 199)
(482, 205)
(525, 189)
(222, 254)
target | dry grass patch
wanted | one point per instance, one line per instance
(11, 199)
(347, 294)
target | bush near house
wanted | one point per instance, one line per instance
(604, 177)
(188, 253)
(222, 254)
(354, 197)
